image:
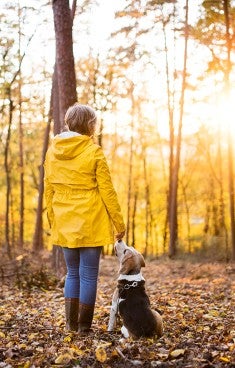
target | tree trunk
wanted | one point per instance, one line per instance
(170, 107)
(128, 222)
(128, 225)
(21, 144)
(54, 107)
(226, 5)
(174, 193)
(64, 56)
(13, 226)
(222, 224)
(55, 101)
(134, 217)
(6, 153)
(21, 168)
(65, 76)
(38, 232)
(100, 136)
(184, 190)
(8, 180)
(147, 208)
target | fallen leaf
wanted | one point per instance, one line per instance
(63, 359)
(2, 335)
(100, 354)
(224, 359)
(115, 353)
(76, 351)
(27, 364)
(67, 339)
(177, 353)
(20, 257)
(33, 322)
(214, 313)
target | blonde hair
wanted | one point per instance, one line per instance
(81, 119)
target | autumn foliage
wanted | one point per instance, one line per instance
(162, 86)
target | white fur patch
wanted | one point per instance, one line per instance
(138, 277)
(120, 300)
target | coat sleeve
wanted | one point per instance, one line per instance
(48, 193)
(107, 191)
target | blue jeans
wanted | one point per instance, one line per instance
(82, 273)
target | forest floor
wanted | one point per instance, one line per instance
(196, 300)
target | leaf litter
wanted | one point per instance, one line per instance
(196, 300)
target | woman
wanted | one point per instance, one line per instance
(82, 206)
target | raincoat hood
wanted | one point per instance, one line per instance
(66, 147)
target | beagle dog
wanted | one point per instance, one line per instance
(130, 300)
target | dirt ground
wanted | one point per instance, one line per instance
(196, 300)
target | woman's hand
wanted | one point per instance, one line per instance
(120, 235)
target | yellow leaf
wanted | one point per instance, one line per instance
(76, 351)
(20, 257)
(177, 353)
(67, 339)
(232, 347)
(6, 316)
(10, 344)
(63, 359)
(60, 322)
(27, 364)
(103, 327)
(199, 329)
(214, 313)
(115, 353)
(32, 336)
(22, 346)
(43, 289)
(224, 359)
(2, 335)
(39, 349)
(105, 345)
(100, 354)
(179, 315)
(207, 316)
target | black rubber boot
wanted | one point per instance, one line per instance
(85, 318)
(71, 313)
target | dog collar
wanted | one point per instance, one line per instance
(124, 286)
(138, 277)
(128, 286)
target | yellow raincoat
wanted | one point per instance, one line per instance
(81, 201)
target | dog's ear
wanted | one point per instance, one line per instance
(127, 263)
(142, 261)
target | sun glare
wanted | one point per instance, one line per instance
(226, 113)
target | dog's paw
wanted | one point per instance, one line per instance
(125, 332)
